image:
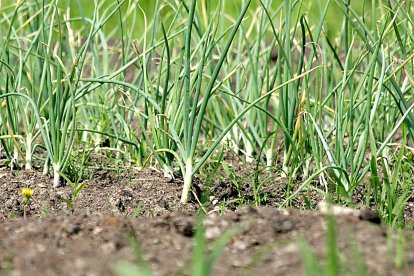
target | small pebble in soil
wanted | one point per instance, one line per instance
(212, 232)
(282, 226)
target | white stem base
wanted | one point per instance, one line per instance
(285, 168)
(249, 152)
(188, 178)
(28, 164)
(46, 167)
(269, 157)
(15, 160)
(168, 172)
(56, 176)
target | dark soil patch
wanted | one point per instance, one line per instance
(115, 214)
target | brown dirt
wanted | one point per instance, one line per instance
(116, 213)
(140, 193)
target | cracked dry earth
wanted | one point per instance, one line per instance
(114, 216)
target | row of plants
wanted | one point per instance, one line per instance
(269, 85)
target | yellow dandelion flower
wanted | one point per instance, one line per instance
(27, 193)
(27, 196)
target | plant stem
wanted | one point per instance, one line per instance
(249, 152)
(56, 175)
(269, 157)
(187, 180)
(28, 164)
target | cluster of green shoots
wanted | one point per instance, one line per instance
(172, 84)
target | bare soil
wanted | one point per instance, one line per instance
(116, 215)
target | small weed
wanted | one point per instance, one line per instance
(137, 211)
(45, 210)
(140, 268)
(76, 172)
(334, 262)
(203, 260)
